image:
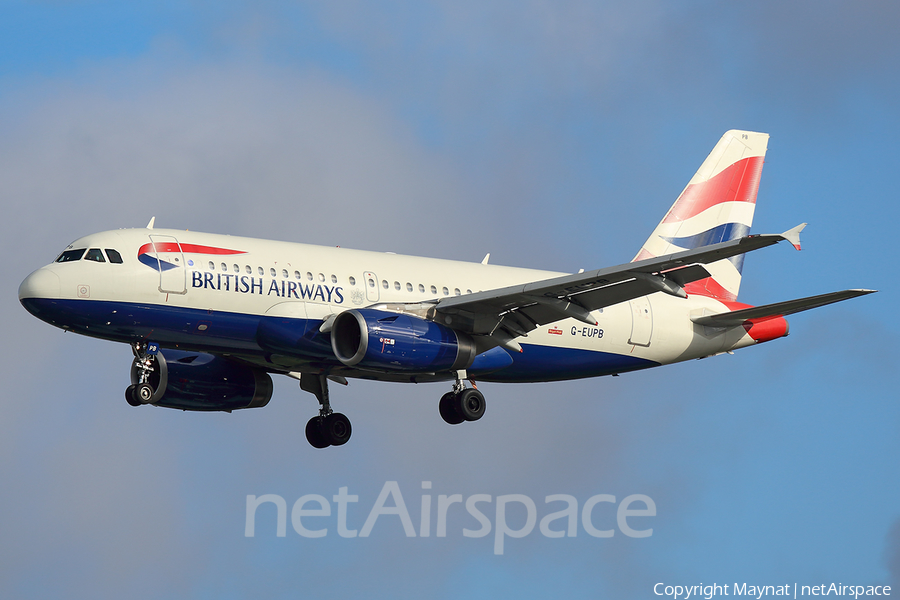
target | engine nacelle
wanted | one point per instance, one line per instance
(200, 381)
(386, 341)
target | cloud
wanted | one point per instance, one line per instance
(242, 149)
(251, 150)
(543, 132)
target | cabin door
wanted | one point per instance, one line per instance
(170, 262)
(641, 321)
(371, 283)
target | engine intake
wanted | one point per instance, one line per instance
(200, 381)
(385, 341)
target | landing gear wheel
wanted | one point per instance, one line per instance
(471, 404)
(336, 429)
(130, 397)
(449, 409)
(314, 434)
(143, 393)
(328, 428)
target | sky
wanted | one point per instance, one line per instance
(553, 135)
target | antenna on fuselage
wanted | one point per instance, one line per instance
(150, 224)
(487, 257)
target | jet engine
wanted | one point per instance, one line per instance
(384, 341)
(199, 381)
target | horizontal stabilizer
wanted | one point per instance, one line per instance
(779, 309)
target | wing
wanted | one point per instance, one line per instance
(510, 312)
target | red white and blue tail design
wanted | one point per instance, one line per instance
(716, 206)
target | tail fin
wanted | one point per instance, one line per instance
(716, 206)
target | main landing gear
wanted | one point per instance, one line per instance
(462, 404)
(145, 364)
(333, 429)
(329, 428)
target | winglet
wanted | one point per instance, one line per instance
(793, 235)
(152, 221)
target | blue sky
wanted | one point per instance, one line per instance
(552, 134)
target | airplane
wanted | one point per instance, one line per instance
(209, 317)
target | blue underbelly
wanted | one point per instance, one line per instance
(223, 332)
(549, 363)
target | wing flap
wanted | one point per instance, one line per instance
(686, 275)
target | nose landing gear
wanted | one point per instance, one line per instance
(146, 374)
(139, 394)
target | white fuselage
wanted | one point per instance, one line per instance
(208, 290)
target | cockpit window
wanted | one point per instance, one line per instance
(70, 255)
(95, 255)
(114, 256)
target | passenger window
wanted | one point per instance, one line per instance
(284, 273)
(212, 266)
(456, 291)
(272, 272)
(296, 274)
(321, 276)
(397, 285)
(384, 283)
(446, 291)
(114, 256)
(249, 269)
(70, 255)
(224, 267)
(260, 270)
(95, 255)
(421, 288)
(408, 286)
(352, 280)
(237, 269)
(468, 291)
(309, 276)
(334, 279)
(433, 290)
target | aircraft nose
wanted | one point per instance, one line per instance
(43, 283)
